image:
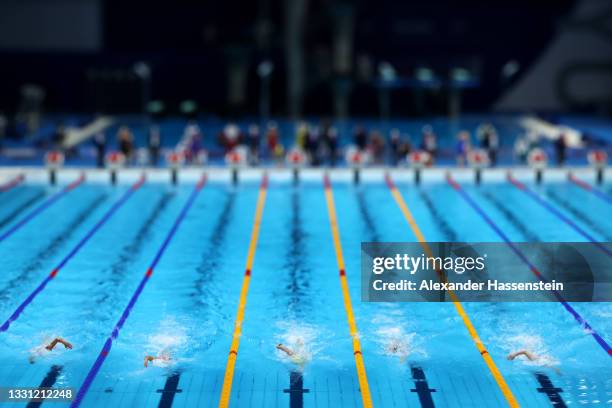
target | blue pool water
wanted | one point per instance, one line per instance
(189, 304)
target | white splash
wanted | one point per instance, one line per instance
(532, 343)
(300, 338)
(170, 343)
(395, 341)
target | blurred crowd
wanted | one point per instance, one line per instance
(319, 144)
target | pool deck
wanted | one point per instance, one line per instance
(190, 175)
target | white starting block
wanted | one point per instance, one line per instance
(174, 160)
(538, 160)
(356, 159)
(296, 158)
(54, 159)
(598, 159)
(478, 159)
(114, 161)
(417, 160)
(236, 158)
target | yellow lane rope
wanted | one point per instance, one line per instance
(333, 221)
(233, 354)
(501, 382)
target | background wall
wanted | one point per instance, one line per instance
(50, 25)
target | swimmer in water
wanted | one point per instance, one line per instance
(296, 357)
(44, 349)
(535, 358)
(163, 357)
(398, 348)
(530, 356)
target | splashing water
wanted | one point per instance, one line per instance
(171, 343)
(394, 341)
(532, 343)
(302, 339)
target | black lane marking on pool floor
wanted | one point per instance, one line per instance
(129, 252)
(47, 382)
(373, 234)
(214, 254)
(296, 389)
(421, 387)
(299, 273)
(371, 230)
(22, 207)
(520, 226)
(420, 381)
(13, 194)
(576, 213)
(53, 246)
(449, 233)
(170, 390)
(552, 392)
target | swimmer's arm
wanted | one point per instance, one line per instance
(530, 356)
(52, 345)
(148, 359)
(285, 349)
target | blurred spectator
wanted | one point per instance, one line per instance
(59, 137)
(195, 148)
(192, 141)
(275, 148)
(126, 143)
(360, 137)
(561, 149)
(330, 141)
(521, 147)
(489, 140)
(230, 136)
(99, 142)
(462, 148)
(253, 142)
(525, 144)
(154, 144)
(301, 136)
(377, 147)
(312, 145)
(404, 149)
(3, 126)
(395, 142)
(429, 143)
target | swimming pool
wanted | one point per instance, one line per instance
(177, 258)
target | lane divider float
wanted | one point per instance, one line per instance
(486, 356)
(557, 213)
(109, 213)
(366, 396)
(590, 188)
(95, 368)
(587, 327)
(228, 378)
(43, 206)
(12, 183)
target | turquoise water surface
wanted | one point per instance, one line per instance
(188, 307)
